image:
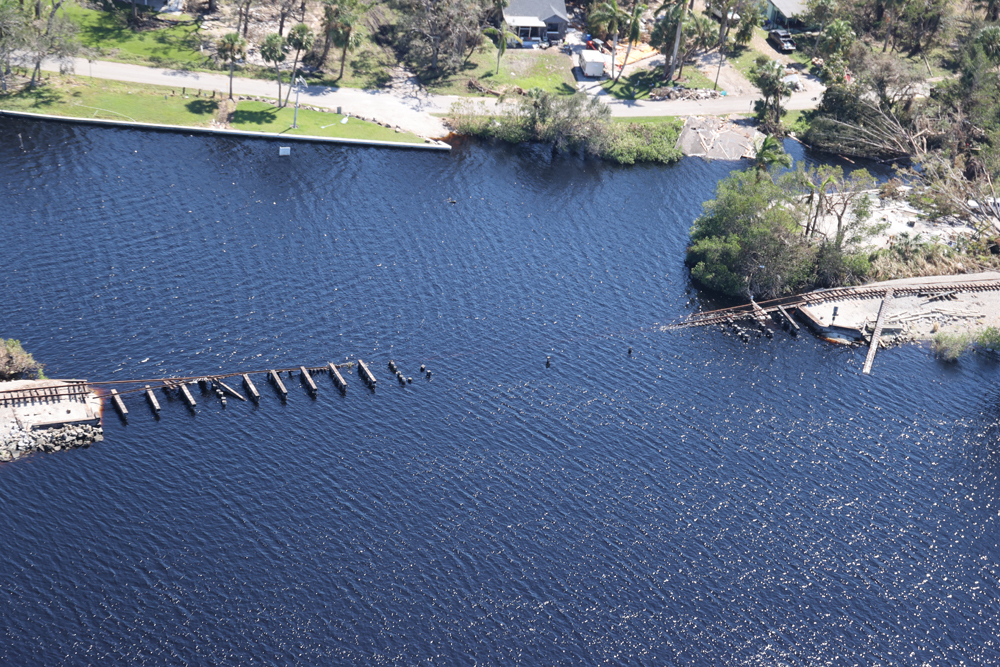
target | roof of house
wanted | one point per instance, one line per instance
(789, 8)
(541, 9)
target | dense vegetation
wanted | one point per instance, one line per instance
(16, 364)
(768, 234)
(569, 123)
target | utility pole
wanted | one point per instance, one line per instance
(298, 86)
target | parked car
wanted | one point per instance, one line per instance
(781, 40)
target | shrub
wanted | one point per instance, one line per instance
(640, 142)
(950, 346)
(16, 364)
(989, 338)
(568, 123)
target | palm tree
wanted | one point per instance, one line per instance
(231, 48)
(273, 51)
(770, 153)
(676, 11)
(989, 40)
(300, 38)
(611, 16)
(768, 77)
(500, 37)
(750, 19)
(633, 31)
(837, 38)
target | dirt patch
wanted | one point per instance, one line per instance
(730, 78)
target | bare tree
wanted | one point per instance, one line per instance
(53, 35)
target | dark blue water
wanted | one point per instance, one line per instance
(703, 502)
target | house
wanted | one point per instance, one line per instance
(784, 12)
(537, 20)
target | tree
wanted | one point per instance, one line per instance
(273, 51)
(285, 8)
(13, 33)
(846, 197)
(750, 19)
(500, 37)
(770, 153)
(611, 16)
(341, 19)
(698, 35)
(675, 12)
(768, 77)
(836, 39)
(231, 47)
(988, 40)
(633, 31)
(51, 36)
(819, 13)
(437, 30)
(747, 242)
(300, 38)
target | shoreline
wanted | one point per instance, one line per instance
(376, 143)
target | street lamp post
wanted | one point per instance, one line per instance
(298, 85)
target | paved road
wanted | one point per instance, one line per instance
(410, 111)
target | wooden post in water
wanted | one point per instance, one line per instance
(308, 379)
(186, 394)
(153, 403)
(337, 377)
(366, 374)
(119, 404)
(877, 333)
(788, 318)
(278, 384)
(251, 389)
(229, 390)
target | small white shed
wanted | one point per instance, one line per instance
(592, 62)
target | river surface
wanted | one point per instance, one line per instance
(700, 502)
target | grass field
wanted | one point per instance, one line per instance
(638, 85)
(264, 117)
(549, 70)
(107, 34)
(75, 96)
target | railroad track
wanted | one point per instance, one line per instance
(750, 310)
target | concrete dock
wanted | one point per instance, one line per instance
(43, 404)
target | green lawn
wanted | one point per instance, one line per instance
(742, 58)
(107, 33)
(638, 85)
(548, 69)
(110, 100)
(264, 117)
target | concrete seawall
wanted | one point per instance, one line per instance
(433, 146)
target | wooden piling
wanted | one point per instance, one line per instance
(229, 390)
(366, 374)
(307, 379)
(278, 384)
(877, 333)
(153, 403)
(337, 377)
(788, 318)
(119, 404)
(188, 398)
(251, 389)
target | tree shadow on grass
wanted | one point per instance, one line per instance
(42, 96)
(637, 85)
(202, 107)
(256, 117)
